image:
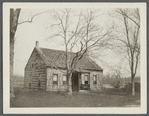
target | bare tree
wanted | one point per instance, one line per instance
(14, 22)
(77, 31)
(14, 16)
(131, 39)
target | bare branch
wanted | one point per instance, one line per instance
(132, 39)
(31, 20)
(120, 11)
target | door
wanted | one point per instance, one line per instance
(75, 82)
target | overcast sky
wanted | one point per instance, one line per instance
(28, 33)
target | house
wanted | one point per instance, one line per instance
(46, 70)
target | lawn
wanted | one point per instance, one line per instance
(109, 98)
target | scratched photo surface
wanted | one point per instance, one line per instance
(85, 57)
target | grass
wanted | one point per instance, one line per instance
(109, 98)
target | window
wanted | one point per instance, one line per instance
(86, 79)
(64, 79)
(94, 79)
(55, 78)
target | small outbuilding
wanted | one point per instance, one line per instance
(45, 70)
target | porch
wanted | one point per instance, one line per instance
(80, 81)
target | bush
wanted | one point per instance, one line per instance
(128, 87)
(116, 84)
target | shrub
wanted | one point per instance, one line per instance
(128, 87)
(116, 84)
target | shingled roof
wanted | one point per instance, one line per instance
(56, 58)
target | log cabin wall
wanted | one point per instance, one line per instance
(60, 86)
(35, 70)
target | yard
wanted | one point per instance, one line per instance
(109, 98)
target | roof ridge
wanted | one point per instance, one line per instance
(56, 50)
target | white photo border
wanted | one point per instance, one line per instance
(72, 110)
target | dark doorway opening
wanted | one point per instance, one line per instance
(75, 82)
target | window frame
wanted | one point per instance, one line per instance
(64, 82)
(55, 81)
(86, 75)
(95, 80)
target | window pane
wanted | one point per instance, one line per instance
(55, 77)
(94, 77)
(86, 77)
(64, 77)
(86, 82)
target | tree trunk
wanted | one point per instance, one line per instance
(11, 69)
(133, 86)
(132, 76)
(70, 84)
(14, 16)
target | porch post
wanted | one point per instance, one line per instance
(80, 81)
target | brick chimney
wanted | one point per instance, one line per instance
(37, 44)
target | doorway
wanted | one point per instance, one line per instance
(75, 82)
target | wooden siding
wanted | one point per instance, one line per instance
(55, 87)
(60, 87)
(96, 87)
(35, 70)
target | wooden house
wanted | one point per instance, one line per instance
(45, 70)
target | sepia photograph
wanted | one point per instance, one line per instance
(90, 57)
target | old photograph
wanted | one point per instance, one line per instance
(75, 55)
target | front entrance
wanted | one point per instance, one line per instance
(80, 81)
(75, 82)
